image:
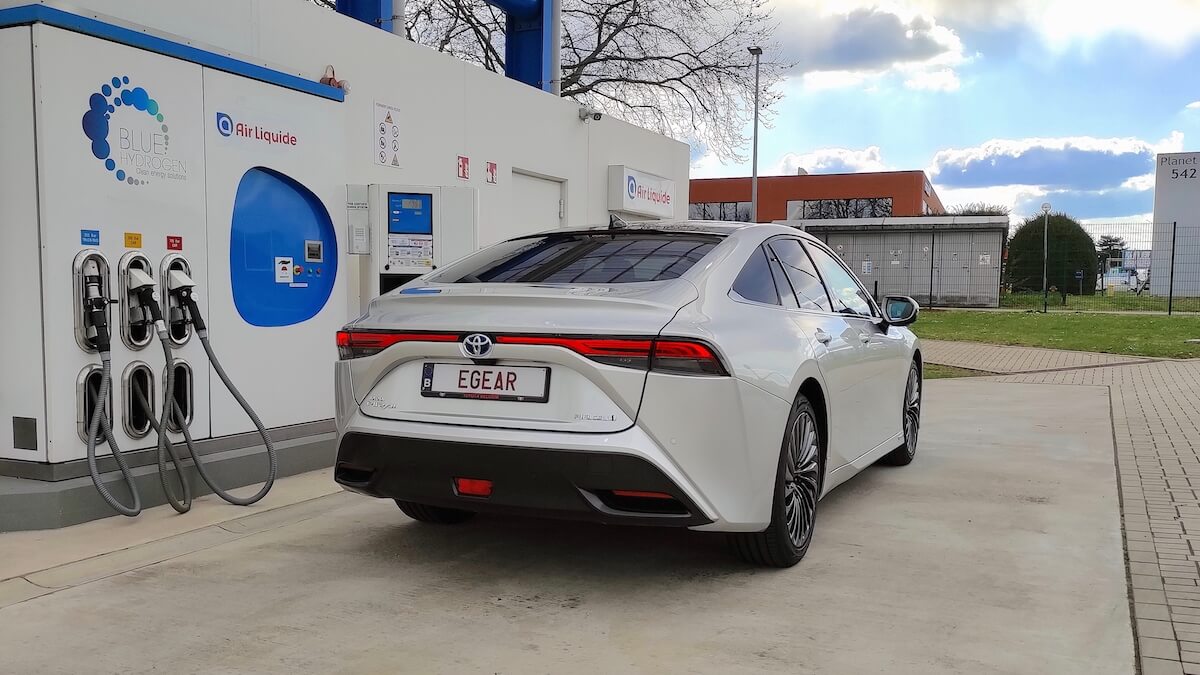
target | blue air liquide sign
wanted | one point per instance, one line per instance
(129, 134)
(641, 193)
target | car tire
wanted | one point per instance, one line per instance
(438, 515)
(798, 481)
(911, 411)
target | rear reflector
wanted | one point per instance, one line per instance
(473, 487)
(642, 494)
(353, 344)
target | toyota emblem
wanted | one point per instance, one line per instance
(476, 346)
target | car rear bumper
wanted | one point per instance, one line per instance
(554, 483)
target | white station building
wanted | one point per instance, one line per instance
(198, 136)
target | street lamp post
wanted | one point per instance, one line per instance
(757, 52)
(1045, 255)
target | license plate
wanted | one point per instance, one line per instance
(490, 383)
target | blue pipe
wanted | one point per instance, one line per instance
(376, 13)
(518, 8)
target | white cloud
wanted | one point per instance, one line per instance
(934, 80)
(1082, 162)
(833, 79)
(831, 160)
(1004, 195)
(1169, 25)
(1194, 105)
(1143, 182)
(836, 46)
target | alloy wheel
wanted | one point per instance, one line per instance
(801, 479)
(912, 409)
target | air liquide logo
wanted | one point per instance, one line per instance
(129, 134)
(631, 187)
(227, 127)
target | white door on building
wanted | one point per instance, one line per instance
(537, 205)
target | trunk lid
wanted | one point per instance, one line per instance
(583, 395)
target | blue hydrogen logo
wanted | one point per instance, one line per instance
(102, 105)
(631, 186)
(224, 124)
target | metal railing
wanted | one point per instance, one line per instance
(1137, 267)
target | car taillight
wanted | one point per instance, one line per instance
(685, 357)
(626, 352)
(353, 344)
(676, 356)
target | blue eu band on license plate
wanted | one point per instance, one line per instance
(525, 384)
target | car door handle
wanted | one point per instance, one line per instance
(823, 337)
(864, 338)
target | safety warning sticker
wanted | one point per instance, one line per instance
(386, 148)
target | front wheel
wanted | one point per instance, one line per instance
(797, 489)
(904, 454)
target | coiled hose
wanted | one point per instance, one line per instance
(180, 504)
(171, 406)
(100, 421)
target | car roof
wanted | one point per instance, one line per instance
(719, 228)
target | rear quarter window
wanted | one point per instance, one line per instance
(755, 282)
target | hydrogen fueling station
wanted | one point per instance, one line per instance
(194, 198)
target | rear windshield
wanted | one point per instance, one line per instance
(583, 258)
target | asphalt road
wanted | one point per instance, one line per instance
(997, 551)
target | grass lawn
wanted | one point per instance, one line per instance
(936, 371)
(1126, 334)
(1120, 301)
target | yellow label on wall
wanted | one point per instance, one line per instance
(133, 240)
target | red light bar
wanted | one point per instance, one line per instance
(353, 344)
(629, 347)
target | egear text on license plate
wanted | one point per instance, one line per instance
(527, 384)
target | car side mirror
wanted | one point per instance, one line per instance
(900, 310)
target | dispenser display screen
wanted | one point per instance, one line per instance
(410, 229)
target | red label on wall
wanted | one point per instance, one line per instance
(174, 243)
(491, 172)
(464, 167)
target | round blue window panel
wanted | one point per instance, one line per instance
(276, 220)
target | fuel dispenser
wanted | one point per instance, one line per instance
(171, 199)
(409, 230)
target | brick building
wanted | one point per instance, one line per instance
(816, 196)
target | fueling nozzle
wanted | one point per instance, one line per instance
(95, 307)
(180, 285)
(141, 285)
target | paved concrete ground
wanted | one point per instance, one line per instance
(1156, 420)
(997, 551)
(1000, 359)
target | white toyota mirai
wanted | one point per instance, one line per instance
(714, 376)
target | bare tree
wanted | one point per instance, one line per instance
(678, 67)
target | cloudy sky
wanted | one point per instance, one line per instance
(1008, 101)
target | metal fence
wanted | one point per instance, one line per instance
(1120, 266)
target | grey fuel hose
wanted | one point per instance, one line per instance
(100, 421)
(171, 406)
(272, 459)
(180, 504)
